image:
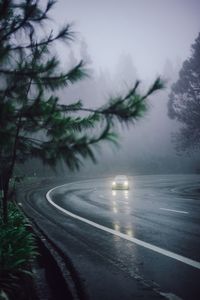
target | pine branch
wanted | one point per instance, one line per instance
(157, 85)
(65, 34)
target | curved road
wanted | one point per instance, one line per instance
(125, 244)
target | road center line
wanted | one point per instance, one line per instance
(177, 211)
(159, 250)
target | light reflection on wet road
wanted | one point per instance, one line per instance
(161, 210)
(152, 210)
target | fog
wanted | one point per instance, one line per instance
(150, 31)
(122, 41)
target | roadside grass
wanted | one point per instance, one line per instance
(17, 253)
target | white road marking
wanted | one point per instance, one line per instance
(159, 250)
(177, 211)
(171, 296)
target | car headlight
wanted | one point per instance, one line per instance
(114, 183)
(125, 182)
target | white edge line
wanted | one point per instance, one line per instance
(173, 210)
(159, 250)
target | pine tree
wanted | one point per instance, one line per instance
(184, 102)
(33, 123)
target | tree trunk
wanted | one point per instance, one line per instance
(5, 202)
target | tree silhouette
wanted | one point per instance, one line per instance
(184, 102)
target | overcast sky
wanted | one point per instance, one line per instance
(150, 30)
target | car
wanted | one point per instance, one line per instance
(120, 183)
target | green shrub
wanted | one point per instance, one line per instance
(17, 252)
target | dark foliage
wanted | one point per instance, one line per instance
(184, 102)
(17, 252)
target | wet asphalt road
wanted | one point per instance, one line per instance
(162, 211)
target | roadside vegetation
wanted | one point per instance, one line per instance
(17, 253)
